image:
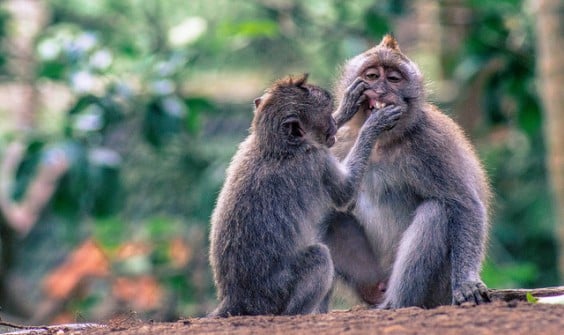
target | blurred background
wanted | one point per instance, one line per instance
(118, 119)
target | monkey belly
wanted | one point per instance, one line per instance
(384, 220)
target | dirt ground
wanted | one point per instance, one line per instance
(499, 318)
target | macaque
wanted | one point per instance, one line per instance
(266, 251)
(416, 233)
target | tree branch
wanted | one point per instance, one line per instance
(521, 294)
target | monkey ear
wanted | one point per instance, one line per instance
(257, 101)
(390, 42)
(293, 128)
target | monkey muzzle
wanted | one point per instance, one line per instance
(375, 101)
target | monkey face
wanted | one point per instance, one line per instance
(321, 124)
(386, 86)
(393, 79)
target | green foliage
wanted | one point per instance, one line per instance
(523, 246)
(250, 29)
(509, 275)
(128, 98)
(4, 20)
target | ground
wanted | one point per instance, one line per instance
(497, 318)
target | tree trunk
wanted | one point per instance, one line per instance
(550, 67)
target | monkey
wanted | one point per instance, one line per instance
(417, 231)
(266, 253)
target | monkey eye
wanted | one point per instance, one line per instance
(371, 74)
(394, 77)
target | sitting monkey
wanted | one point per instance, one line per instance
(416, 236)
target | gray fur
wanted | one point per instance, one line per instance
(266, 251)
(420, 221)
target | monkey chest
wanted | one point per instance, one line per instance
(385, 205)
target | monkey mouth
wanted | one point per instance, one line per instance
(375, 105)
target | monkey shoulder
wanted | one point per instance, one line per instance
(448, 162)
(264, 194)
(453, 140)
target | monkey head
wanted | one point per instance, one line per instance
(392, 78)
(293, 114)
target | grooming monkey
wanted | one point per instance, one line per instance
(266, 251)
(416, 234)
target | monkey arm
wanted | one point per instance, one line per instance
(343, 184)
(467, 233)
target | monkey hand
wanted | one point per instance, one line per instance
(384, 119)
(352, 101)
(474, 292)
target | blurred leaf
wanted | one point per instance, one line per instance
(468, 67)
(530, 116)
(85, 261)
(251, 29)
(376, 23)
(531, 299)
(508, 275)
(143, 292)
(159, 123)
(91, 114)
(26, 170)
(109, 232)
(161, 228)
(104, 181)
(196, 107)
(52, 69)
(134, 265)
(486, 4)
(199, 105)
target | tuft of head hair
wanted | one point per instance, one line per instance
(290, 81)
(388, 41)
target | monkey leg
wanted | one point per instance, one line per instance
(354, 259)
(313, 271)
(421, 268)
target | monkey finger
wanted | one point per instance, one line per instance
(483, 292)
(389, 117)
(361, 100)
(358, 82)
(480, 293)
(360, 86)
(458, 298)
(393, 109)
(354, 85)
(464, 293)
(357, 91)
(478, 298)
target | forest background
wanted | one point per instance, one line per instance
(118, 119)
